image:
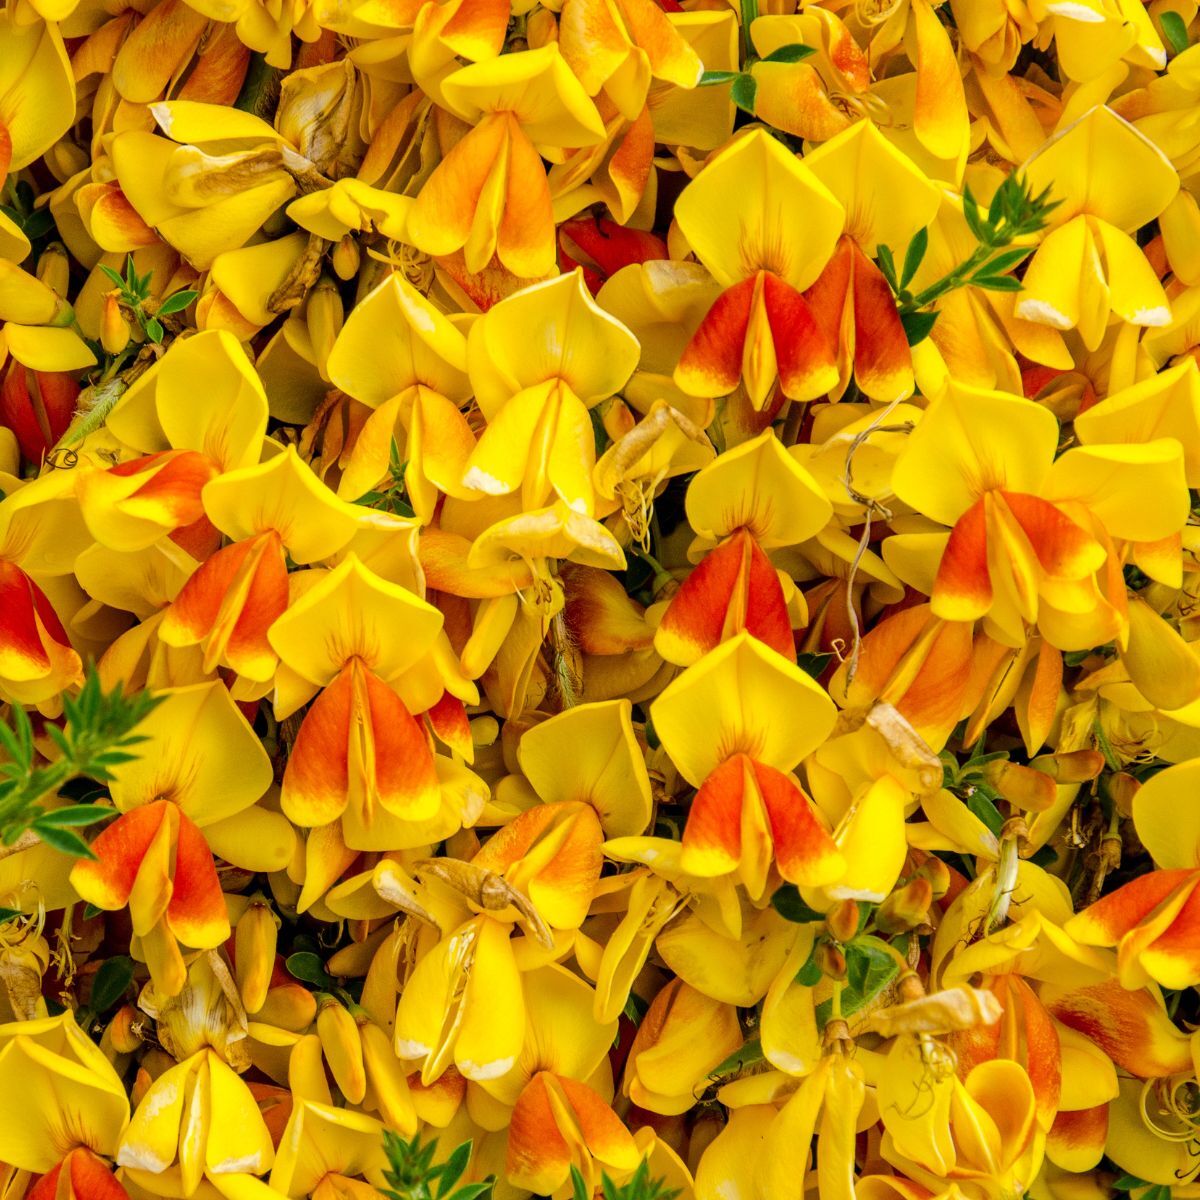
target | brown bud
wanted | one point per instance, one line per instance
(842, 920)
(906, 908)
(831, 961)
(938, 875)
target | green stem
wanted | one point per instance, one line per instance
(749, 16)
(948, 283)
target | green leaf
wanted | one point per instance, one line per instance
(1175, 31)
(745, 88)
(887, 264)
(635, 1008)
(981, 805)
(996, 283)
(471, 1190)
(918, 325)
(24, 731)
(111, 982)
(813, 664)
(711, 78)
(59, 738)
(64, 841)
(914, 256)
(154, 330)
(74, 815)
(788, 903)
(308, 968)
(870, 967)
(452, 1169)
(8, 740)
(1002, 263)
(10, 914)
(810, 973)
(112, 275)
(793, 52)
(176, 303)
(38, 224)
(90, 912)
(973, 219)
(579, 1188)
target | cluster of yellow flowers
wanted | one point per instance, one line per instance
(650, 554)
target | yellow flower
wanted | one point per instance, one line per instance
(760, 329)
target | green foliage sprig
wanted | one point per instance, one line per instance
(1014, 214)
(413, 1175)
(98, 736)
(134, 294)
(639, 1186)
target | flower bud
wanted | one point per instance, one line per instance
(342, 1047)
(114, 329)
(905, 908)
(1022, 787)
(541, 29)
(54, 269)
(831, 961)
(324, 315)
(288, 1006)
(125, 1030)
(842, 920)
(1075, 766)
(346, 258)
(65, 159)
(254, 953)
